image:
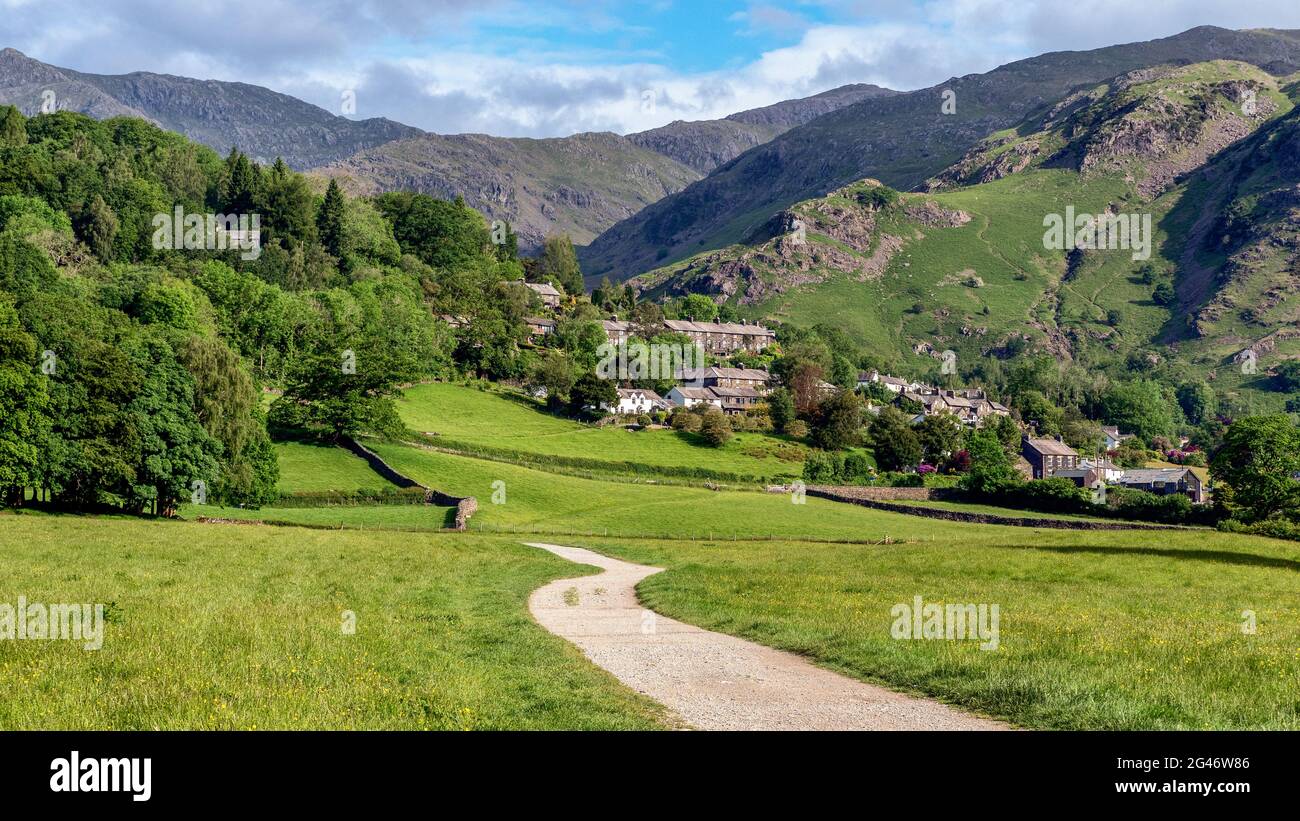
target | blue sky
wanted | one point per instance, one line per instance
(554, 67)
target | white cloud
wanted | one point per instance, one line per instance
(419, 62)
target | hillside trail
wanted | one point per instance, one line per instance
(711, 681)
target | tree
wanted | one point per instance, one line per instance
(1083, 435)
(13, 127)
(559, 263)
(991, 470)
(286, 204)
(175, 452)
(1198, 401)
(339, 391)
(1037, 410)
(1007, 432)
(780, 409)
(1259, 459)
(590, 394)
(647, 320)
(1164, 294)
(555, 374)
(699, 308)
(940, 436)
(444, 235)
(714, 427)
(99, 228)
(837, 423)
(24, 407)
(894, 442)
(242, 190)
(1138, 406)
(329, 220)
(1288, 376)
(227, 404)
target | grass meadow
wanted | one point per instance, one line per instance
(497, 419)
(1098, 630)
(239, 628)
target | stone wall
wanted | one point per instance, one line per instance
(466, 506)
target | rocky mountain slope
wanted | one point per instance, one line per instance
(902, 139)
(583, 184)
(1208, 153)
(262, 123)
(706, 144)
(574, 185)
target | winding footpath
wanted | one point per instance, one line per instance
(712, 681)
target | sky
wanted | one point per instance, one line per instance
(544, 68)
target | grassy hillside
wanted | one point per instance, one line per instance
(1097, 630)
(1208, 151)
(547, 502)
(464, 415)
(306, 467)
(240, 628)
(901, 140)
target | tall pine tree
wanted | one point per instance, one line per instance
(329, 220)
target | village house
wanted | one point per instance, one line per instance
(1113, 437)
(891, 383)
(548, 292)
(970, 406)
(1046, 456)
(616, 331)
(634, 402)
(690, 397)
(1166, 482)
(723, 337)
(751, 378)
(1107, 470)
(1083, 476)
(539, 327)
(737, 400)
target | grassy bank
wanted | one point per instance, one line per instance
(1098, 630)
(232, 627)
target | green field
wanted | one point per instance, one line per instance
(499, 419)
(1098, 630)
(535, 501)
(314, 468)
(231, 627)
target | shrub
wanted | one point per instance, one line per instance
(857, 469)
(684, 420)
(715, 428)
(1274, 528)
(1054, 496)
(1149, 507)
(798, 429)
(822, 468)
(644, 420)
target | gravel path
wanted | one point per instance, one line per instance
(712, 681)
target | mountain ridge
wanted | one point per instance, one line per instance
(901, 139)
